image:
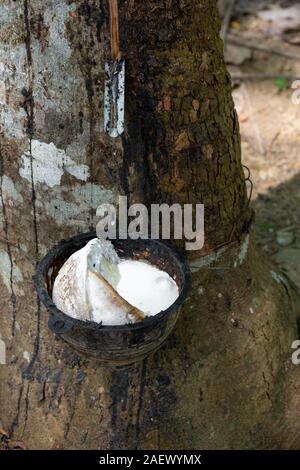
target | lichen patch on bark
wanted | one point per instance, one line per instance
(49, 165)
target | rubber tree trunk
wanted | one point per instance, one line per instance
(224, 379)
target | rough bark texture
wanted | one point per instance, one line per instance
(224, 379)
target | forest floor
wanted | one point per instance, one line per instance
(262, 41)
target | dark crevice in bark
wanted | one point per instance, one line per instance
(36, 347)
(101, 18)
(27, 32)
(29, 109)
(141, 398)
(55, 389)
(141, 143)
(9, 253)
(68, 424)
(17, 416)
(26, 408)
(119, 396)
(124, 171)
(78, 384)
(91, 145)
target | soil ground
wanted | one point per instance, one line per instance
(269, 120)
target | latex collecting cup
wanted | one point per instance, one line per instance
(118, 344)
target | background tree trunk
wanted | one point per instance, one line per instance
(220, 380)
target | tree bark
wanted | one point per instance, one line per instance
(220, 380)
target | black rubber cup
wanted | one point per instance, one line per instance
(114, 345)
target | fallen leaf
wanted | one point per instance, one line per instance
(243, 117)
(235, 25)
